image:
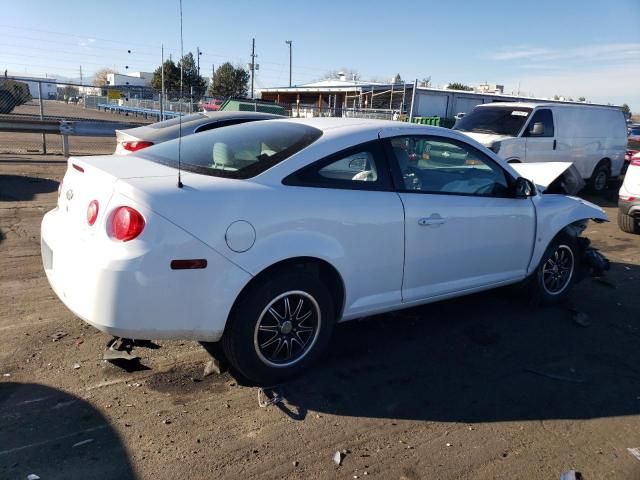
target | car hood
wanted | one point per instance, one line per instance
(486, 139)
(552, 177)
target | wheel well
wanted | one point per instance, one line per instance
(513, 160)
(604, 161)
(321, 268)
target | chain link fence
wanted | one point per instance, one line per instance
(34, 102)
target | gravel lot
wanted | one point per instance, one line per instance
(486, 386)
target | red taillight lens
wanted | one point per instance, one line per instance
(126, 224)
(135, 146)
(626, 198)
(635, 162)
(92, 212)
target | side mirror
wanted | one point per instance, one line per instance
(524, 188)
(536, 129)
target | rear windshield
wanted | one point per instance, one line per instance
(175, 121)
(498, 120)
(237, 151)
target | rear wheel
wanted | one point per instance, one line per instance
(600, 178)
(557, 270)
(279, 327)
(627, 223)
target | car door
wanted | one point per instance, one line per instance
(464, 229)
(541, 143)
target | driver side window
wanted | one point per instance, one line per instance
(445, 166)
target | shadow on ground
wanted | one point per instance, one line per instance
(18, 188)
(55, 435)
(489, 357)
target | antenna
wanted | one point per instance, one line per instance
(180, 113)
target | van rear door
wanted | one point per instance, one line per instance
(541, 144)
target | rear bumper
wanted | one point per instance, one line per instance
(629, 207)
(129, 290)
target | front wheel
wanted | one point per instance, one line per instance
(279, 327)
(557, 271)
(600, 178)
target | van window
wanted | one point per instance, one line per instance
(546, 119)
(497, 120)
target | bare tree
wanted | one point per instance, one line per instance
(100, 77)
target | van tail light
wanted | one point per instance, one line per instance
(126, 224)
(92, 212)
(135, 146)
(626, 198)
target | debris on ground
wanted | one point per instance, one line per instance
(554, 376)
(33, 476)
(269, 396)
(58, 336)
(119, 349)
(635, 452)
(76, 366)
(212, 367)
(338, 457)
(83, 442)
(580, 318)
(448, 444)
(6, 374)
(571, 475)
(295, 463)
(166, 421)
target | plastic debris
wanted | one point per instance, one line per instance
(448, 444)
(83, 442)
(58, 336)
(268, 396)
(338, 457)
(76, 366)
(580, 318)
(571, 475)
(635, 452)
(212, 366)
(6, 374)
(33, 476)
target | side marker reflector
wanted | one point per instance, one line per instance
(189, 264)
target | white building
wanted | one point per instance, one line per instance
(48, 84)
(134, 79)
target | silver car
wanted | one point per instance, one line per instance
(134, 139)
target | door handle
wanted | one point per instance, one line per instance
(434, 219)
(554, 144)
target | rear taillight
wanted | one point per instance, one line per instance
(92, 212)
(126, 224)
(635, 162)
(135, 146)
(626, 198)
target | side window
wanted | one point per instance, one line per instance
(540, 125)
(358, 168)
(445, 166)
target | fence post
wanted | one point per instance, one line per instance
(65, 145)
(44, 138)
(413, 99)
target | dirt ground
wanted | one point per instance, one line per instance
(482, 387)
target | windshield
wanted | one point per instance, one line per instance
(496, 120)
(237, 151)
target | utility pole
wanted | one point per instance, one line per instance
(199, 53)
(290, 43)
(162, 83)
(80, 74)
(253, 63)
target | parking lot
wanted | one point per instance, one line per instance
(486, 386)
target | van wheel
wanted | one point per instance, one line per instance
(627, 223)
(600, 178)
(556, 272)
(279, 327)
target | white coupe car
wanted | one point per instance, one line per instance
(280, 229)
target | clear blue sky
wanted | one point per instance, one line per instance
(570, 48)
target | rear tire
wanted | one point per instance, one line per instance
(279, 327)
(557, 271)
(600, 178)
(627, 223)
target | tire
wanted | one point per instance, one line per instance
(550, 285)
(600, 178)
(262, 330)
(627, 223)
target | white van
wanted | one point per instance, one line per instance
(593, 137)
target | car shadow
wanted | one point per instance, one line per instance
(53, 434)
(19, 188)
(607, 199)
(489, 357)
